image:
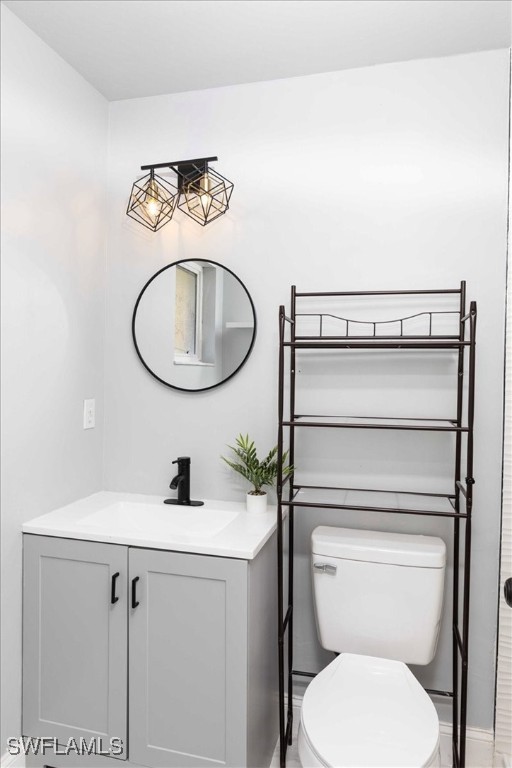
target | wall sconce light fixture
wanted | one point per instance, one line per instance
(153, 201)
(203, 194)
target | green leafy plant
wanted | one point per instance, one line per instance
(247, 464)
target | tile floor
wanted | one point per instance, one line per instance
(292, 757)
(292, 753)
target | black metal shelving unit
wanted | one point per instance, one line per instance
(329, 333)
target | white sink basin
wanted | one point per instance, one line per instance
(166, 520)
(221, 528)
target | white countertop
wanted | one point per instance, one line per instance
(222, 528)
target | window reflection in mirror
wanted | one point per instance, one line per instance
(194, 325)
(187, 319)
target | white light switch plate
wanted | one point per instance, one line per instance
(89, 413)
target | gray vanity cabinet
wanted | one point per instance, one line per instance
(74, 639)
(201, 663)
(188, 641)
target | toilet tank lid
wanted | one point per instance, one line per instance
(379, 547)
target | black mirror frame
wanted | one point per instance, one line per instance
(139, 354)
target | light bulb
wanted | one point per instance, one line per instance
(152, 204)
(206, 198)
(153, 207)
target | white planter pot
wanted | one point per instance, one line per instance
(256, 503)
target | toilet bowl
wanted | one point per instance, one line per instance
(367, 712)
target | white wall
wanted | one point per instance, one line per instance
(54, 136)
(386, 177)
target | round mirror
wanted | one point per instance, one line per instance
(194, 325)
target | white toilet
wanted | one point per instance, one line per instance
(378, 600)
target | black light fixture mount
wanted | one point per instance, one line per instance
(202, 193)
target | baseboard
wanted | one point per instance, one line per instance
(502, 761)
(479, 746)
(479, 743)
(12, 761)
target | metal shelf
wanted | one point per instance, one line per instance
(398, 502)
(374, 422)
(336, 332)
(353, 342)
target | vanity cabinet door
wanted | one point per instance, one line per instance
(74, 640)
(188, 660)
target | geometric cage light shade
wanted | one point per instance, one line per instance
(202, 193)
(152, 201)
(205, 194)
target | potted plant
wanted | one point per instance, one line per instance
(258, 473)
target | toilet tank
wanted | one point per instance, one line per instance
(378, 594)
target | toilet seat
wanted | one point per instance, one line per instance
(368, 712)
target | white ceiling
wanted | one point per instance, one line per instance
(132, 48)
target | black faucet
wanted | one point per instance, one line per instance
(182, 482)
